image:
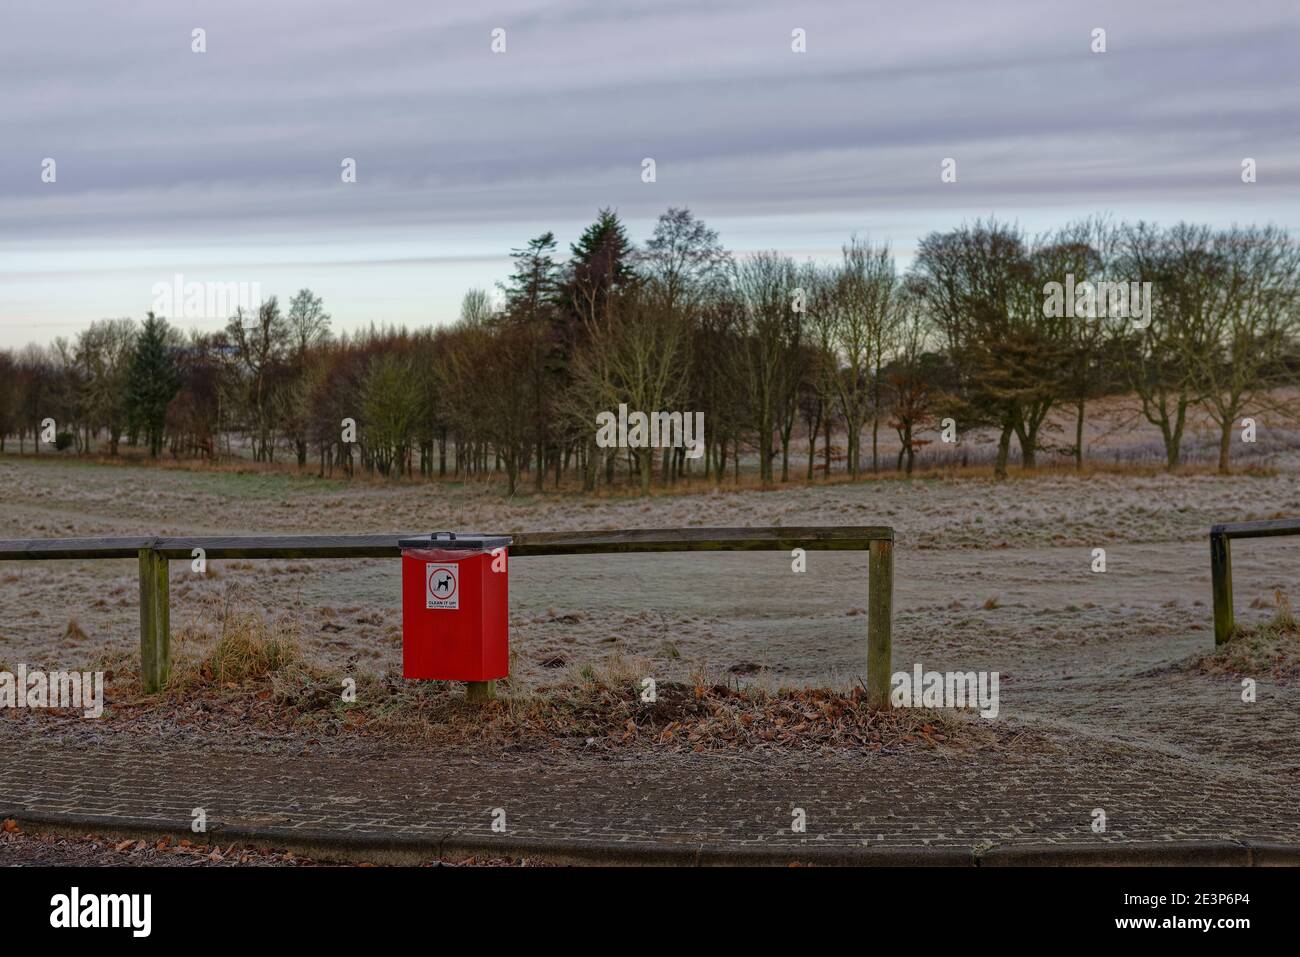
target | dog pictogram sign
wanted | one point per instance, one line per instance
(441, 585)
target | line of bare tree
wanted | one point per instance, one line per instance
(775, 353)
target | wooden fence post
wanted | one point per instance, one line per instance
(880, 610)
(1221, 585)
(155, 621)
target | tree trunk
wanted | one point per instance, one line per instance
(1078, 437)
(814, 428)
(765, 450)
(1225, 445)
(1004, 451)
(1028, 437)
(590, 461)
(1172, 450)
(826, 452)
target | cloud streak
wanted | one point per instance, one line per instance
(181, 157)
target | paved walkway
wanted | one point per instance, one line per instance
(921, 807)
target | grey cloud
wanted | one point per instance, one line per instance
(154, 142)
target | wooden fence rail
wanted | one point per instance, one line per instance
(154, 553)
(1221, 564)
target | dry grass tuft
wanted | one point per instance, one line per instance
(248, 647)
(1272, 648)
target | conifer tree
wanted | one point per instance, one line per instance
(153, 382)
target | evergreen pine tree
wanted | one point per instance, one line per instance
(603, 250)
(532, 286)
(153, 382)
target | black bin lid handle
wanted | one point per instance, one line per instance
(469, 540)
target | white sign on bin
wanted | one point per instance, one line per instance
(442, 585)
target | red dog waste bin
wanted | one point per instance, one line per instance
(455, 607)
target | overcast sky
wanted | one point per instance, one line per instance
(224, 166)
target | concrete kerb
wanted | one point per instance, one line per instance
(406, 849)
(1144, 854)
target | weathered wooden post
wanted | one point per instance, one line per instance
(480, 692)
(155, 621)
(880, 611)
(1221, 585)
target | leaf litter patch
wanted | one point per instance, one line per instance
(252, 681)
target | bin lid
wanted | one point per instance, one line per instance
(477, 541)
